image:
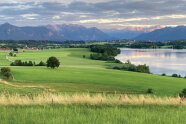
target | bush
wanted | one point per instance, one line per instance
(183, 93)
(143, 68)
(131, 67)
(29, 63)
(176, 75)
(41, 64)
(117, 68)
(11, 54)
(117, 61)
(15, 49)
(150, 91)
(6, 72)
(164, 74)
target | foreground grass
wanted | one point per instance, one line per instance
(91, 114)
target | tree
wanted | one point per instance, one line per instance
(15, 50)
(11, 54)
(175, 75)
(183, 93)
(6, 72)
(41, 64)
(53, 62)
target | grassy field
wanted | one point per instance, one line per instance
(87, 114)
(78, 74)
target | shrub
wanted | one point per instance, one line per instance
(143, 68)
(41, 64)
(6, 72)
(150, 91)
(183, 93)
(117, 61)
(117, 68)
(131, 67)
(29, 63)
(11, 54)
(15, 49)
(163, 74)
(5, 69)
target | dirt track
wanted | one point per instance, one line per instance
(24, 86)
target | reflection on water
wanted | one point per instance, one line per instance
(160, 61)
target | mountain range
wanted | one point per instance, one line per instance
(51, 32)
(164, 34)
(131, 32)
(77, 33)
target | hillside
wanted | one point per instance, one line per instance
(78, 74)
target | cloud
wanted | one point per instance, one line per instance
(100, 13)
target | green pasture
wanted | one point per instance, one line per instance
(78, 74)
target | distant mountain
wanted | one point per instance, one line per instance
(165, 34)
(11, 32)
(131, 32)
(51, 32)
(123, 34)
(78, 32)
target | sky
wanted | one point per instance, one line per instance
(104, 14)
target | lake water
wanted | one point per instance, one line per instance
(160, 61)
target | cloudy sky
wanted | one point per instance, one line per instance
(94, 13)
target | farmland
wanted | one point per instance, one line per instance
(78, 74)
(81, 75)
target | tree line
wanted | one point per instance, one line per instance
(128, 66)
(104, 52)
(52, 62)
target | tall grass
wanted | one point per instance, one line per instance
(98, 99)
(92, 114)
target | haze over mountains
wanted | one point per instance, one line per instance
(77, 32)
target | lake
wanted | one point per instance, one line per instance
(168, 61)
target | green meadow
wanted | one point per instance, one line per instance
(77, 74)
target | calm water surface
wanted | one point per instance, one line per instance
(160, 61)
